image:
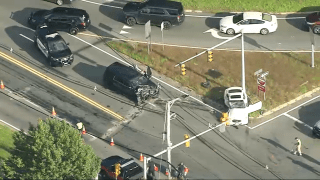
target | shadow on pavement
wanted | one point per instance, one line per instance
(214, 21)
(22, 16)
(311, 159)
(113, 13)
(308, 114)
(253, 42)
(275, 144)
(303, 165)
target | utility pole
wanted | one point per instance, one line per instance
(243, 64)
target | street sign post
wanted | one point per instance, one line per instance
(312, 46)
(261, 81)
(162, 27)
(147, 28)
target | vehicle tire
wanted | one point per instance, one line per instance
(73, 31)
(316, 29)
(166, 25)
(131, 21)
(230, 31)
(59, 2)
(264, 31)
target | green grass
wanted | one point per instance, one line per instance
(6, 141)
(252, 5)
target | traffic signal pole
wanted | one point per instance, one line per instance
(243, 64)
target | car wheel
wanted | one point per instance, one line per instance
(264, 31)
(230, 31)
(73, 31)
(316, 29)
(59, 2)
(131, 21)
(166, 25)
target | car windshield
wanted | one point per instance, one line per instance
(237, 18)
(237, 104)
(57, 46)
(267, 17)
(140, 80)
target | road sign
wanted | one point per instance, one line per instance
(261, 82)
(258, 72)
(261, 88)
(147, 28)
(162, 26)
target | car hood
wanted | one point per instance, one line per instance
(313, 17)
(60, 54)
(238, 114)
(317, 125)
(132, 6)
(226, 21)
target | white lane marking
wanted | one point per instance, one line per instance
(140, 71)
(284, 113)
(152, 104)
(124, 32)
(215, 34)
(195, 47)
(26, 37)
(101, 4)
(126, 27)
(10, 125)
(297, 120)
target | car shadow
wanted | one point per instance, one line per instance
(297, 22)
(16, 33)
(94, 73)
(308, 114)
(111, 12)
(214, 21)
(22, 16)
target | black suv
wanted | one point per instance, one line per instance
(131, 82)
(157, 11)
(129, 169)
(71, 20)
(52, 45)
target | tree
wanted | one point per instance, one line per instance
(52, 150)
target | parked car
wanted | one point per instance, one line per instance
(171, 13)
(53, 46)
(60, 2)
(129, 169)
(131, 82)
(71, 20)
(249, 22)
(316, 129)
(316, 27)
(312, 18)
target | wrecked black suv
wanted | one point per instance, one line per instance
(131, 82)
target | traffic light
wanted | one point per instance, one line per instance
(183, 69)
(117, 169)
(210, 56)
(186, 136)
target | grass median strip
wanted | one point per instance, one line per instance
(290, 74)
(6, 142)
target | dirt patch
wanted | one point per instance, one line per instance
(290, 74)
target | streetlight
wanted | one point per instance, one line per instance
(168, 118)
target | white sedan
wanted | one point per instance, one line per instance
(249, 22)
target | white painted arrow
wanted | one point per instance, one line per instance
(124, 32)
(215, 34)
(126, 27)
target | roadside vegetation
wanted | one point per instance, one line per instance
(250, 5)
(290, 74)
(6, 142)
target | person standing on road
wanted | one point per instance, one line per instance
(298, 146)
(80, 126)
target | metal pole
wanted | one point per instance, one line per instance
(144, 167)
(243, 64)
(312, 56)
(209, 49)
(168, 137)
(162, 41)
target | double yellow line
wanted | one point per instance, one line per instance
(75, 93)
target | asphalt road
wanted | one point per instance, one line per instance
(208, 157)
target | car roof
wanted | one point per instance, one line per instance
(252, 15)
(71, 11)
(50, 35)
(124, 71)
(165, 4)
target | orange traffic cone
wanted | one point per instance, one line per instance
(167, 172)
(53, 112)
(141, 157)
(2, 85)
(111, 143)
(84, 130)
(156, 168)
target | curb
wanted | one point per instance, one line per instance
(308, 94)
(280, 13)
